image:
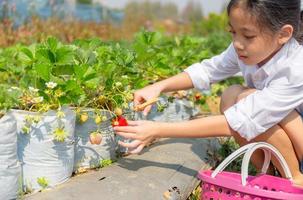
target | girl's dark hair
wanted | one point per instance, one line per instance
(274, 14)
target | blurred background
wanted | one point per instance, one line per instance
(29, 21)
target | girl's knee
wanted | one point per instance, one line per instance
(229, 96)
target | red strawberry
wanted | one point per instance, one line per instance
(119, 121)
(198, 96)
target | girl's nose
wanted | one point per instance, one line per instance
(238, 45)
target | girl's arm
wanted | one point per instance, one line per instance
(180, 81)
(213, 126)
(143, 132)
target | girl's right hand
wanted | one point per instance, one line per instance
(141, 132)
(145, 94)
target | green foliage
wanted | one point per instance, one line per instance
(43, 182)
(213, 23)
(8, 99)
(47, 62)
(227, 147)
(160, 57)
(196, 194)
(84, 1)
(97, 74)
(105, 162)
(217, 42)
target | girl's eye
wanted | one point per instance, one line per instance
(250, 37)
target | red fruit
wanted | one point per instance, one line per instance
(197, 96)
(95, 138)
(119, 121)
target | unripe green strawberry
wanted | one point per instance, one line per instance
(83, 117)
(98, 119)
(118, 111)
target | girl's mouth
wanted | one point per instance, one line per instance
(242, 57)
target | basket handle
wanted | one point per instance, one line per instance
(268, 151)
(248, 150)
(240, 151)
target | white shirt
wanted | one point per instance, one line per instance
(279, 85)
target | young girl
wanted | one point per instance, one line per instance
(266, 50)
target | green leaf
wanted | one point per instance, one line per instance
(28, 53)
(72, 86)
(80, 70)
(65, 55)
(25, 56)
(45, 55)
(63, 70)
(57, 80)
(92, 83)
(43, 70)
(52, 43)
(141, 83)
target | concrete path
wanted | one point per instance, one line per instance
(170, 164)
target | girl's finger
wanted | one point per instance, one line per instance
(129, 129)
(133, 144)
(137, 150)
(147, 110)
(133, 123)
(127, 135)
(138, 99)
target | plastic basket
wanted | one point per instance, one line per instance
(220, 185)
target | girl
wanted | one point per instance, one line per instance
(266, 49)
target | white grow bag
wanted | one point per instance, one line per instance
(87, 155)
(178, 110)
(9, 165)
(40, 155)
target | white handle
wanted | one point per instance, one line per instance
(249, 149)
(268, 150)
(231, 158)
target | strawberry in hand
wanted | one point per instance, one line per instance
(119, 121)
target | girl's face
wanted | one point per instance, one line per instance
(252, 45)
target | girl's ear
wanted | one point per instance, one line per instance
(285, 34)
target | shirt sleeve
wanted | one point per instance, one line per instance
(265, 108)
(215, 69)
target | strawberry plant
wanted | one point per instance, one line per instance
(7, 99)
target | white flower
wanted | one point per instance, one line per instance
(51, 85)
(118, 84)
(15, 88)
(32, 89)
(37, 100)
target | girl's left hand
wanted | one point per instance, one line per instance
(142, 133)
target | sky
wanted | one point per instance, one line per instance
(207, 5)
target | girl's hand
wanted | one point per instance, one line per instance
(145, 94)
(142, 133)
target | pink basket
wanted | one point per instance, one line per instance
(219, 185)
